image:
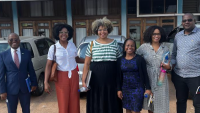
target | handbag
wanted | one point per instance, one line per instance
(54, 72)
(87, 81)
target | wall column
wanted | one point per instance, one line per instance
(123, 18)
(179, 11)
(69, 12)
(15, 17)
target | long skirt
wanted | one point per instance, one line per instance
(102, 97)
(67, 92)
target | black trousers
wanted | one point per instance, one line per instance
(183, 86)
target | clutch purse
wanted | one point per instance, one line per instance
(54, 72)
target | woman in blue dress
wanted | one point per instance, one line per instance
(134, 82)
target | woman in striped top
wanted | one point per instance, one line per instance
(102, 97)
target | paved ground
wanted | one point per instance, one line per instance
(48, 103)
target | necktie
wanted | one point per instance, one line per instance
(16, 59)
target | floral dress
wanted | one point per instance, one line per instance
(161, 93)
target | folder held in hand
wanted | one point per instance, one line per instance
(28, 83)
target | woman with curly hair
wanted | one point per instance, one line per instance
(68, 80)
(152, 51)
(102, 60)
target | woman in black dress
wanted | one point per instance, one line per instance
(134, 78)
(102, 60)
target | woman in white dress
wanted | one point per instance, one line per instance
(152, 51)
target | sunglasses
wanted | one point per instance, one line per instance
(189, 20)
(11, 40)
(154, 34)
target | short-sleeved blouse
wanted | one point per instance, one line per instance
(104, 52)
(65, 57)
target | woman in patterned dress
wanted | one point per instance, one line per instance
(102, 97)
(152, 51)
(135, 79)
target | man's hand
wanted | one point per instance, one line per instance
(3, 96)
(33, 88)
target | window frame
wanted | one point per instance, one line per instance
(6, 27)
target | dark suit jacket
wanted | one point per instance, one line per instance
(12, 79)
(141, 64)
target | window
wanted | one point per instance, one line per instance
(131, 5)
(26, 28)
(5, 29)
(27, 46)
(42, 47)
(95, 7)
(50, 42)
(145, 6)
(5, 9)
(4, 47)
(44, 8)
(170, 6)
(191, 6)
(157, 6)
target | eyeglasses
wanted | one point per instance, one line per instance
(154, 34)
(12, 40)
(130, 46)
(102, 29)
(61, 32)
(189, 20)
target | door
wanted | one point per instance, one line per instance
(135, 29)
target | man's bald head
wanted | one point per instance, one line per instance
(189, 14)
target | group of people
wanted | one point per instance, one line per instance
(118, 80)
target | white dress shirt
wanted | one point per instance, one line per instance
(18, 53)
(65, 57)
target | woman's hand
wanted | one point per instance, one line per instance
(47, 87)
(166, 66)
(119, 94)
(148, 92)
(84, 85)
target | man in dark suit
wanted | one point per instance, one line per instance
(15, 66)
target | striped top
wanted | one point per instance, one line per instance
(104, 52)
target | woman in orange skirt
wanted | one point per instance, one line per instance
(68, 80)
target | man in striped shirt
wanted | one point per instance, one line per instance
(186, 63)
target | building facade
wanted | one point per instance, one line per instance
(130, 18)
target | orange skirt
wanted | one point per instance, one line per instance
(67, 92)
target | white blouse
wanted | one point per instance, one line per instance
(65, 57)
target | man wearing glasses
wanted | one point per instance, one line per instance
(185, 61)
(15, 65)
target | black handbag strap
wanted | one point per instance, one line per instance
(54, 55)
